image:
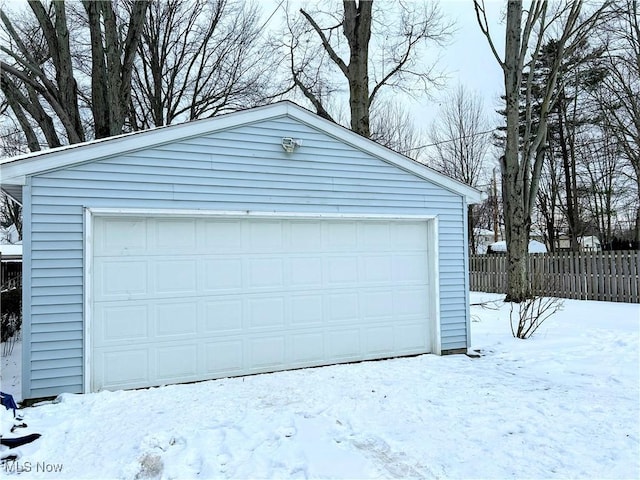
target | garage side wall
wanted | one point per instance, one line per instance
(244, 168)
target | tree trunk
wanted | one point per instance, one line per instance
(357, 30)
(471, 231)
(61, 94)
(568, 177)
(99, 97)
(112, 64)
(517, 219)
(517, 227)
(637, 232)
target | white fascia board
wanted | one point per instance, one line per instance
(38, 162)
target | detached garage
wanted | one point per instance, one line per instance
(252, 242)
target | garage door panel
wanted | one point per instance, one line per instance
(253, 295)
(305, 236)
(265, 236)
(223, 236)
(265, 273)
(175, 320)
(305, 272)
(411, 338)
(223, 357)
(341, 271)
(410, 302)
(175, 235)
(375, 269)
(266, 352)
(265, 313)
(121, 236)
(343, 343)
(379, 340)
(340, 236)
(374, 237)
(306, 310)
(121, 367)
(222, 316)
(341, 307)
(131, 275)
(175, 276)
(377, 304)
(410, 268)
(307, 347)
(116, 323)
(221, 275)
(175, 362)
(409, 236)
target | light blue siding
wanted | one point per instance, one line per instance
(244, 168)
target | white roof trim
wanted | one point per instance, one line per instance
(14, 170)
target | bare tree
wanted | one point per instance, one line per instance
(619, 97)
(392, 125)
(548, 200)
(31, 76)
(198, 59)
(525, 34)
(367, 45)
(461, 137)
(39, 78)
(606, 185)
(112, 59)
(11, 214)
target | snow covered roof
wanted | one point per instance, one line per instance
(11, 250)
(500, 246)
(534, 246)
(483, 232)
(9, 234)
(537, 247)
(589, 241)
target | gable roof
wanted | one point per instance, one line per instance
(14, 170)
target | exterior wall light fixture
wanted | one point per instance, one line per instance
(290, 144)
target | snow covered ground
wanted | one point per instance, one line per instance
(11, 372)
(563, 404)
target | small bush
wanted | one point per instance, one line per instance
(532, 313)
(12, 302)
(10, 319)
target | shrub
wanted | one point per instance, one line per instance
(532, 313)
(10, 319)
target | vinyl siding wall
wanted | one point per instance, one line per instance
(244, 168)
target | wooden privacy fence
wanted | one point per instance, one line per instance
(607, 276)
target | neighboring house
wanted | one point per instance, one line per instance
(9, 235)
(501, 247)
(251, 242)
(589, 243)
(484, 238)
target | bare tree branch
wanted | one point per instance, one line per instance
(325, 43)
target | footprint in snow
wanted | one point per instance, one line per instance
(395, 463)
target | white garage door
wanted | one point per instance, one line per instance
(184, 299)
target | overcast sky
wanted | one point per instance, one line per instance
(468, 60)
